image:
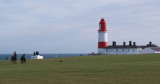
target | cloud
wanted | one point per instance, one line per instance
(71, 25)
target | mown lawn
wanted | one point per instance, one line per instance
(109, 69)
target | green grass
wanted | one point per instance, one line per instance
(109, 69)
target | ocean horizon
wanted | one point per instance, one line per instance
(4, 57)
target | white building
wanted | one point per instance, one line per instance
(151, 50)
(130, 49)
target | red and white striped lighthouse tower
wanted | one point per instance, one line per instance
(102, 36)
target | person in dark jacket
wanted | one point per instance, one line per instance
(37, 53)
(23, 59)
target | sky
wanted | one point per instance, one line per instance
(71, 26)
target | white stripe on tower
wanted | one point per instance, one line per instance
(102, 36)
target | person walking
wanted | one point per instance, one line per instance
(23, 59)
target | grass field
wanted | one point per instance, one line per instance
(111, 69)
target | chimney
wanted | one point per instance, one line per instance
(113, 43)
(134, 43)
(130, 43)
(124, 43)
(150, 43)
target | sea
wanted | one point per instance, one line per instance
(4, 57)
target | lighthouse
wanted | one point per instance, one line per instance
(102, 36)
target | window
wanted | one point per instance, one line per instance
(100, 27)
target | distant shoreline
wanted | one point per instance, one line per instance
(28, 56)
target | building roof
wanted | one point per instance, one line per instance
(155, 48)
(133, 46)
(121, 46)
(153, 45)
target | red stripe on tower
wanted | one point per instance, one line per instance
(102, 36)
(102, 44)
